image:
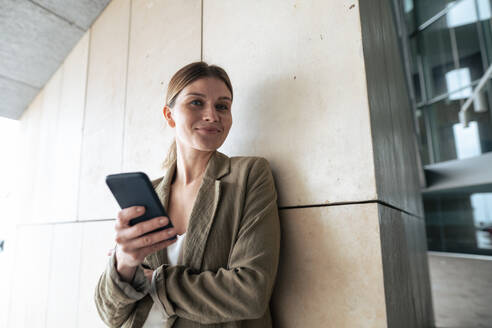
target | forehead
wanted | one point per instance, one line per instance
(209, 86)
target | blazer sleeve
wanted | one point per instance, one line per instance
(242, 290)
(116, 299)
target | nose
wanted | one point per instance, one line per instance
(210, 114)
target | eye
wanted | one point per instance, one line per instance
(221, 107)
(196, 102)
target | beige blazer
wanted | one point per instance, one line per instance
(227, 270)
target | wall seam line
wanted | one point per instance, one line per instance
(64, 222)
(201, 32)
(380, 202)
(280, 209)
(77, 310)
(126, 87)
(11, 277)
(89, 46)
(49, 276)
(61, 83)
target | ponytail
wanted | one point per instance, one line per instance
(171, 155)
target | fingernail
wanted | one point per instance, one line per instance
(139, 209)
(162, 221)
(170, 232)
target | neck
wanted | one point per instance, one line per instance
(190, 164)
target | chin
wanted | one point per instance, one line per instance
(203, 145)
(209, 147)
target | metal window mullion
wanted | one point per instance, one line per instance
(456, 56)
(436, 17)
(446, 95)
(427, 73)
(454, 48)
(441, 224)
(428, 135)
(483, 52)
(420, 67)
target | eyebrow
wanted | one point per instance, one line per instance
(202, 95)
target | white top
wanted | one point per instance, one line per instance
(157, 316)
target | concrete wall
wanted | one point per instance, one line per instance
(305, 93)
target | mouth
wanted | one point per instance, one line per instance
(209, 130)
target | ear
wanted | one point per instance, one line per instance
(168, 116)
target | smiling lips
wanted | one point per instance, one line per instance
(209, 129)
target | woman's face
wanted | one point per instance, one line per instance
(202, 114)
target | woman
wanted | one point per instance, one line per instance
(222, 268)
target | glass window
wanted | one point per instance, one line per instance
(409, 10)
(415, 71)
(426, 9)
(466, 140)
(460, 221)
(422, 136)
(463, 20)
(458, 83)
(482, 217)
(437, 54)
(486, 29)
(450, 140)
(465, 12)
(460, 11)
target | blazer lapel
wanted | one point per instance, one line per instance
(204, 208)
(203, 212)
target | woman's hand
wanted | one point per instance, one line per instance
(132, 245)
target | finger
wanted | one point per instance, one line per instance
(125, 215)
(141, 228)
(157, 247)
(148, 240)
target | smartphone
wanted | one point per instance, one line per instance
(135, 189)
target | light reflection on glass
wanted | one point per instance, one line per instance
(408, 5)
(482, 216)
(457, 79)
(467, 140)
(465, 12)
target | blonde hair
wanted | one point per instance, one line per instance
(184, 76)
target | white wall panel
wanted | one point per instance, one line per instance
(330, 272)
(97, 239)
(104, 114)
(29, 157)
(7, 264)
(68, 139)
(158, 48)
(31, 277)
(300, 93)
(44, 192)
(64, 275)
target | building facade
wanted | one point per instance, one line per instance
(320, 91)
